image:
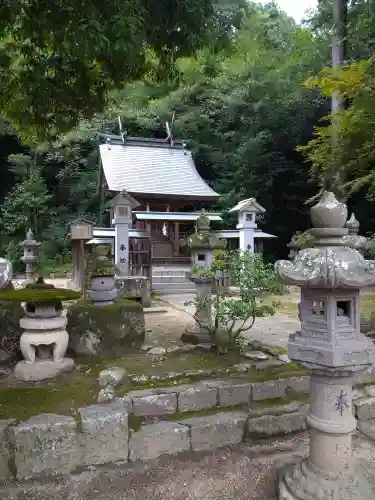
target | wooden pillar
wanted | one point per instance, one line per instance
(259, 245)
(177, 239)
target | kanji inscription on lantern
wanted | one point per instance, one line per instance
(122, 248)
(341, 402)
(122, 260)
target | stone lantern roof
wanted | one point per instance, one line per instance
(203, 238)
(331, 263)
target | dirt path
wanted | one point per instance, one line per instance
(242, 472)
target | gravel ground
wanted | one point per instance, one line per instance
(240, 473)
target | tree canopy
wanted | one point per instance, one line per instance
(252, 103)
(59, 60)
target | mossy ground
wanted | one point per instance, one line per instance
(68, 393)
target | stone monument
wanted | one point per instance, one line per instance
(332, 348)
(30, 257)
(201, 244)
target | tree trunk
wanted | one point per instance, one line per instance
(337, 103)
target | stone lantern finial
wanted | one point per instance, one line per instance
(331, 346)
(353, 225)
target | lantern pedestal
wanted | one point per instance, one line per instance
(329, 471)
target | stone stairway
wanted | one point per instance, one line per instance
(171, 279)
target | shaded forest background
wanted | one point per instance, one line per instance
(244, 107)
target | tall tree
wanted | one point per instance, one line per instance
(59, 60)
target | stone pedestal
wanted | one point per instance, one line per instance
(135, 287)
(329, 471)
(43, 343)
(200, 332)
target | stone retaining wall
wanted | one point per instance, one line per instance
(143, 425)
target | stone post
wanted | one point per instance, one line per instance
(122, 206)
(202, 243)
(247, 211)
(332, 348)
(30, 257)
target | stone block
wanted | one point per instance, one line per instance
(298, 384)
(45, 444)
(5, 472)
(105, 331)
(158, 404)
(278, 410)
(234, 394)
(365, 408)
(269, 389)
(367, 428)
(154, 440)
(113, 376)
(213, 431)
(105, 434)
(197, 398)
(135, 287)
(272, 425)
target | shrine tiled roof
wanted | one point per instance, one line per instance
(152, 166)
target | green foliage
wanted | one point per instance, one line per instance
(59, 61)
(232, 316)
(370, 249)
(202, 271)
(303, 239)
(352, 127)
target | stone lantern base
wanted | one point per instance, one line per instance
(303, 481)
(329, 472)
(42, 369)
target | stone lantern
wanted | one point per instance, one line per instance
(121, 207)
(247, 211)
(332, 348)
(30, 257)
(202, 244)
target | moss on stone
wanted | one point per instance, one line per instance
(119, 305)
(38, 295)
(108, 330)
(204, 413)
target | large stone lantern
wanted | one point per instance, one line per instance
(332, 348)
(202, 244)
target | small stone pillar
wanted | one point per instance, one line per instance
(332, 348)
(202, 243)
(30, 257)
(247, 211)
(122, 206)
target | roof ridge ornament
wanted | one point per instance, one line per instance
(169, 129)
